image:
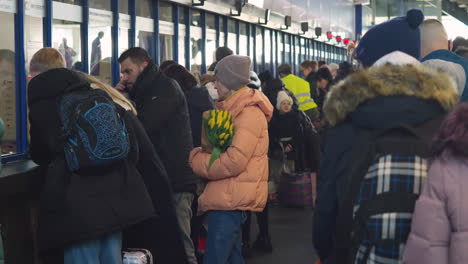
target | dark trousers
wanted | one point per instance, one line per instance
(262, 221)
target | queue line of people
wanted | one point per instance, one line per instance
(364, 135)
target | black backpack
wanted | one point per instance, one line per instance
(93, 131)
(382, 183)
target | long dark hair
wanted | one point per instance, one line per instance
(452, 137)
(185, 79)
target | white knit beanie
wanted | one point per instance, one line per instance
(282, 96)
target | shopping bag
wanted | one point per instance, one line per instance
(296, 190)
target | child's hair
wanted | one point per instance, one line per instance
(116, 96)
(452, 137)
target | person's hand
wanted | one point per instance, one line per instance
(122, 88)
(288, 148)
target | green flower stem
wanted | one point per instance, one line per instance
(214, 155)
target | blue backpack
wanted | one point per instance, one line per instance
(94, 133)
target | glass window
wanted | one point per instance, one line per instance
(210, 51)
(259, 49)
(73, 2)
(210, 21)
(33, 38)
(100, 44)
(196, 18)
(297, 50)
(303, 51)
(100, 4)
(221, 29)
(7, 82)
(123, 39)
(275, 54)
(267, 50)
(182, 14)
(181, 47)
(232, 42)
(252, 44)
(243, 39)
(67, 39)
(280, 48)
(243, 28)
(231, 26)
(123, 6)
(145, 40)
(144, 7)
(196, 46)
(166, 47)
(165, 11)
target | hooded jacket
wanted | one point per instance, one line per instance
(373, 99)
(446, 55)
(238, 178)
(75, 207)
(440, 221)
(163, 111)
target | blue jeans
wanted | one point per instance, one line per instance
(223, 245)
(105, 250)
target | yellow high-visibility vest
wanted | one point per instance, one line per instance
(301, 90)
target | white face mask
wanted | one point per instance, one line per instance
(212, 90)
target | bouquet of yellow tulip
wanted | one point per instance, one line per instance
(219, 130)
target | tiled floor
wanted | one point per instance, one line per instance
(291, 234)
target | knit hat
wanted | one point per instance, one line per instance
(282, 96)
(233, 71)
(401, 33)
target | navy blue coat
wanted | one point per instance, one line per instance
(352, 105)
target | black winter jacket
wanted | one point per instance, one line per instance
(306, 141)
(160, 234)
(163, 111)
(372, 99)
(75, 207)
(199, 101)
(312, 79)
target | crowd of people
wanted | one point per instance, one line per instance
(128, 166)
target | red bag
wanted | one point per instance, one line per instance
(296, 189)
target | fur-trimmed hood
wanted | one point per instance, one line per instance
(388, 80)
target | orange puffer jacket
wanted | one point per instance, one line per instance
(238, 178)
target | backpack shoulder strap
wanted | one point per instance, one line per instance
(362, 153)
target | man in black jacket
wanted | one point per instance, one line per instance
(163, 112)
(309, 71)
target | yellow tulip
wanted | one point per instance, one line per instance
(222, 135)
(231, 127)
(222, 142)
(226, 125)
(211, 122)
(226, 137)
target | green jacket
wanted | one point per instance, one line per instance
(301, 90)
